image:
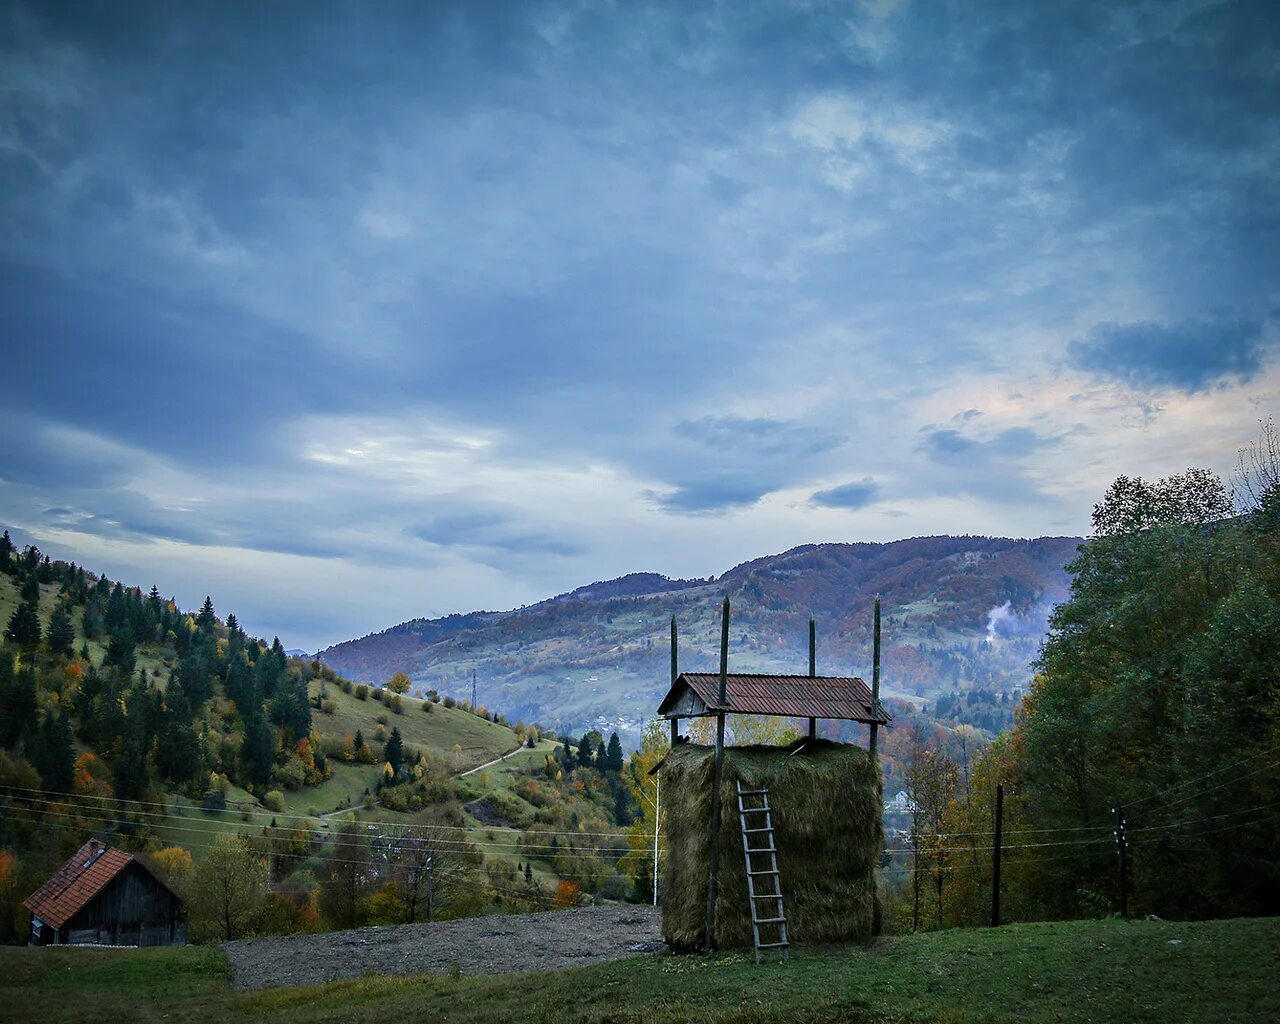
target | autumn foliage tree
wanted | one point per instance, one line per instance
(399, 683)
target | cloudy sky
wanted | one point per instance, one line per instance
(350, 313)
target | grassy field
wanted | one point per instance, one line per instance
(1130, 971)
(439, 732)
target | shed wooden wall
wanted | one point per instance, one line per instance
(133, 909)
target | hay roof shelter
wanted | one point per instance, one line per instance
(823, 852)
(847, 698)
(827, 820)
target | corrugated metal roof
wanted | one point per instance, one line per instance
(842, 697)
(77, 882)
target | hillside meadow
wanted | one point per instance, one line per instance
(1111, 970)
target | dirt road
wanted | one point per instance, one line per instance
(496, 944)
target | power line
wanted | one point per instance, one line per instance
(1220, 785)
(1199, 778)
(534, 830)
(206, 843)
(196, 826)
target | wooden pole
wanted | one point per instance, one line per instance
(713, 839)
(657, 822)
(813, 669)
(430, 889)
(875, 676)
(1122, 845)
(995, 858)
(675, 674)
(675, 656)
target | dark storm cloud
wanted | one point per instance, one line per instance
(1188, 356)
(855, 495)
(595, 235)
(720, 463)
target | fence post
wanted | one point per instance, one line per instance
(995, 858)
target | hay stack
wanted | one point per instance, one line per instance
(826, 803)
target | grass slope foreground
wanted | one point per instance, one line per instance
(1079, 971)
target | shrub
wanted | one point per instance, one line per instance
(362, 692)
(427, 706)
(292, 774)
(614, 887)
(449, 702)
(346, 686)
(382, 719)
(329, 707)
(379, 694)
(396, 703)
(567, 895)
(274, 801)
(380, 733)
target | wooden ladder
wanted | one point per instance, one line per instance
(752, 826)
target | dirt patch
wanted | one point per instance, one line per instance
(496, 944)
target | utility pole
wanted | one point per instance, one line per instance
(657, 823)
(875, 678)
(995, 858)
(675, 674)
(1122, 846)
(813, 669)
(713, 839)
(430, 894)
(474, 705)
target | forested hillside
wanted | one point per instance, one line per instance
(964, 617)
(1153, 724)
(179, 736)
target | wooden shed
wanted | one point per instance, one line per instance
(104, 896)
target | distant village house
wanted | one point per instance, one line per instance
(105, 897)
(901, 801)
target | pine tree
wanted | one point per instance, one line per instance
(57, 755)
(179, 755)
(6, 552)
(132, 768)
(17, 700)
(584, 750)
(206, 620)
(121, 654)
(24, 628)
(31, 589)
(259, 750)
(613, 756)
(62, 632)
(394, 752)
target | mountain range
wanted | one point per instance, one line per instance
(959, 614)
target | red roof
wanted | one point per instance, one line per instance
(77, 882)
(843, 697)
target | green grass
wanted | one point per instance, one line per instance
(438, 732)
(1220, 971)
(109, 985)
(348, 783)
